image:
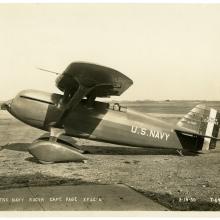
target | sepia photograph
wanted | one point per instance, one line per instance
(110, 107)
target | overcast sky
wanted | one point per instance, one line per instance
(170, 51)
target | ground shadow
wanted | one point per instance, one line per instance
(35, 160)
(17, 146)
(175, 204)
(109, 150)
(42, 180)
(23, 184)
(38, 179)
(32, 159)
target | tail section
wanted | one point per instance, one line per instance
(201, 124)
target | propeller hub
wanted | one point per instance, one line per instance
(6, 105)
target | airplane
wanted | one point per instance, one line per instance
(77, 113)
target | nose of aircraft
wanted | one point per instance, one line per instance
(6, 105)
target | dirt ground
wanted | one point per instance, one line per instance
(179, 183)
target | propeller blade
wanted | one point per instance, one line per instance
(48, 71)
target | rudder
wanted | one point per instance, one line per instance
(203, 123)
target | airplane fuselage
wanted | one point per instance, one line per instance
(101, 121)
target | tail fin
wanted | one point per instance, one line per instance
(203, 123)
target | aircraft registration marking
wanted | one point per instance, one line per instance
(150, 133)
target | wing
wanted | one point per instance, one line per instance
(104, 81)
(90, 80)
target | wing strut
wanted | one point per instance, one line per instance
(81, 92)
